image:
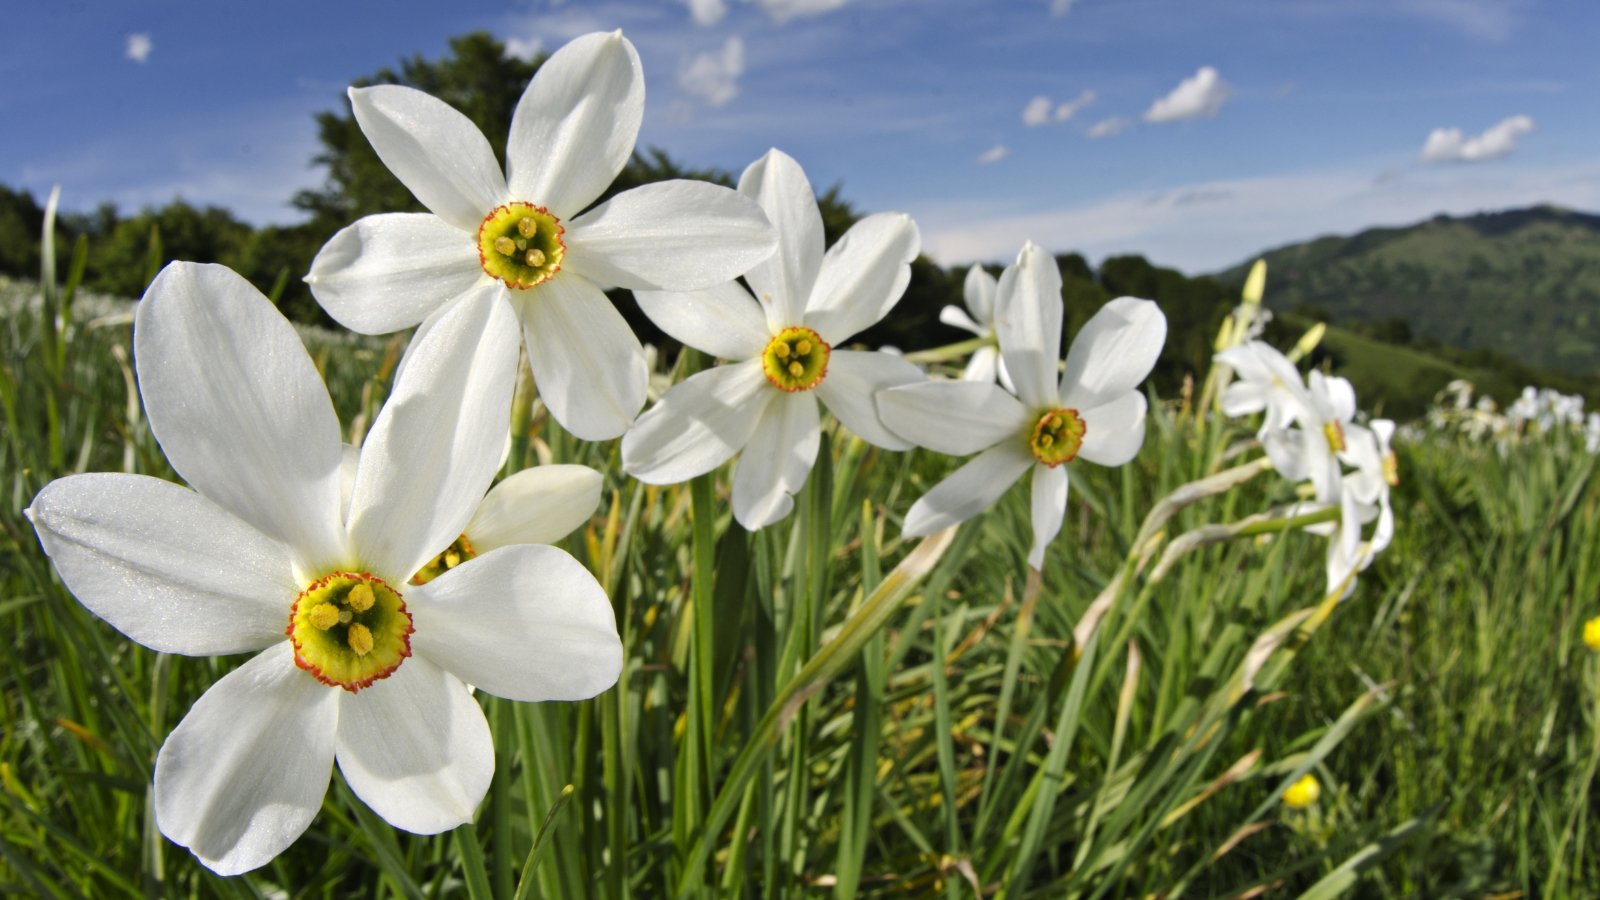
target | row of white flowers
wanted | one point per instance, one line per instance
(376, 584)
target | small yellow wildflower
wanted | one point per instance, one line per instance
(1591, 633)
(1302, 793)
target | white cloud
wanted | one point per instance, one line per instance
(1207, 226)
(707, 12)
(782, 11)
(1450, 145)
(993, 154)
(1108, 127)
(1196, 97)
(1059, 8)
(1042, 110)
(1070, 108)
(139, 47)
(524, 48)
(1037, 112)
(1492, 20)
(713, 76)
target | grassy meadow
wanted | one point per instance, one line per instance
(822, 709)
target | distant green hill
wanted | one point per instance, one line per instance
(1524, 283)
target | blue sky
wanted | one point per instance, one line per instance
(1194, 132)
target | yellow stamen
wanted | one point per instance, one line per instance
(535, 256)
(1334, 432)
(520, 245)
(505, 246)
(526, 226)
(360, 639)
(796, 359)
(360, 598)
(1057, 436)
(324, 616)
(345, 616)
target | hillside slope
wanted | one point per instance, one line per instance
(1524, 282)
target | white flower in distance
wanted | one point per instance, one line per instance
(353, 663)
(1363, 498)
(519, 238)
(1267, 382)
(1094, 412)
(978, 293)
(1313, 449)
(783, 352)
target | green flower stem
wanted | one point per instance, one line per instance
(828, 662)
(949, 351)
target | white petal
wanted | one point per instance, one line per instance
(540, 505)
(956, 317)
(777, 460)
(983, 366)
(586, 361)
(863, 276)
(524, 622)
(435, 447)
(1027, 320)
(698, 425)
(238, 407)
(784, 280)
(724, 320)
(972, 489)
(672, 235)
(851, 387)
(164, 565)
(349, 461)
(954, 417)
(387, 272)
(244, 773)
(1049, 507)
(1243, 398)
(416, 748)
(1114, 431)
(434, 150)
(1287, 451)
(1113, 353)
(978, 291)
(575, 125)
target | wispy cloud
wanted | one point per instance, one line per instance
(1059, 8)
(1108, 127)
(1451, 145)
(707, 12)
(713, 77)
(1487, 19)
(524, 48)
(1209, 225)
(1042, 110)
(1199, 96)
(138, 47)
(993, 154)
(784, 10)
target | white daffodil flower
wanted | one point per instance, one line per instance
(782, 349)
(354, 664)
(978, 294)
(1363, 499)
(519, 238)
(1268, 382)
(1094, 412)
(1313, 449)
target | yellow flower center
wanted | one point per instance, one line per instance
(349, 629)
(1302, 793)
(1334, 432)
(453, 555)
(1057, 437)
(520, 244)
(1391, 469)
(796, 360)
